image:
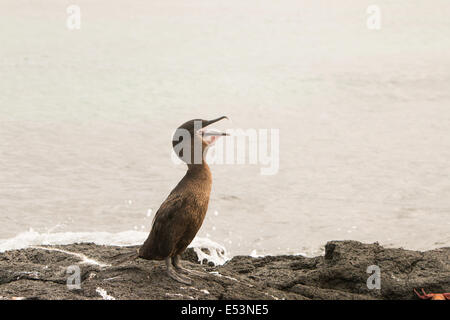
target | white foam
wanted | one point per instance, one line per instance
(84, 259)
(254, 254)
(179, 295)
(33, 238)
(217, 274)
(104, 294)
(218, 254)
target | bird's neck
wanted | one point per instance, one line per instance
(199, 171)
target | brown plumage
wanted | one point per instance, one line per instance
(181, 215)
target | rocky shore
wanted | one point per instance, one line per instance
(43, 272)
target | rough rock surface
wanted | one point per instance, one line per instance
(37, 273)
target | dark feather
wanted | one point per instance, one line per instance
(179, 218)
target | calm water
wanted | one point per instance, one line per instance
(86, 118)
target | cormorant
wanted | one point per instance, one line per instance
(181, 215)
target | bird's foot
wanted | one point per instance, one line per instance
(188, 271)
(176, 262)
(178, 277)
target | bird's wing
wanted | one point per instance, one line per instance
(168, 208)
(168, 227)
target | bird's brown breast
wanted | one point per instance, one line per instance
(180, 216)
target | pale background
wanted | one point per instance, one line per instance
(86, 118)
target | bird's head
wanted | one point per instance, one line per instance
(192, 140)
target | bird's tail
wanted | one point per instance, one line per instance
(125, 257)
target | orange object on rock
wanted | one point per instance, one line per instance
(433, 296)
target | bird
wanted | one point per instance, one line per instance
(181, 215)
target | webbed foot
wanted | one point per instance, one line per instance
(176, 261)
(174, 275)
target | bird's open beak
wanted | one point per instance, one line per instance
(211, 135)
(207, 123)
